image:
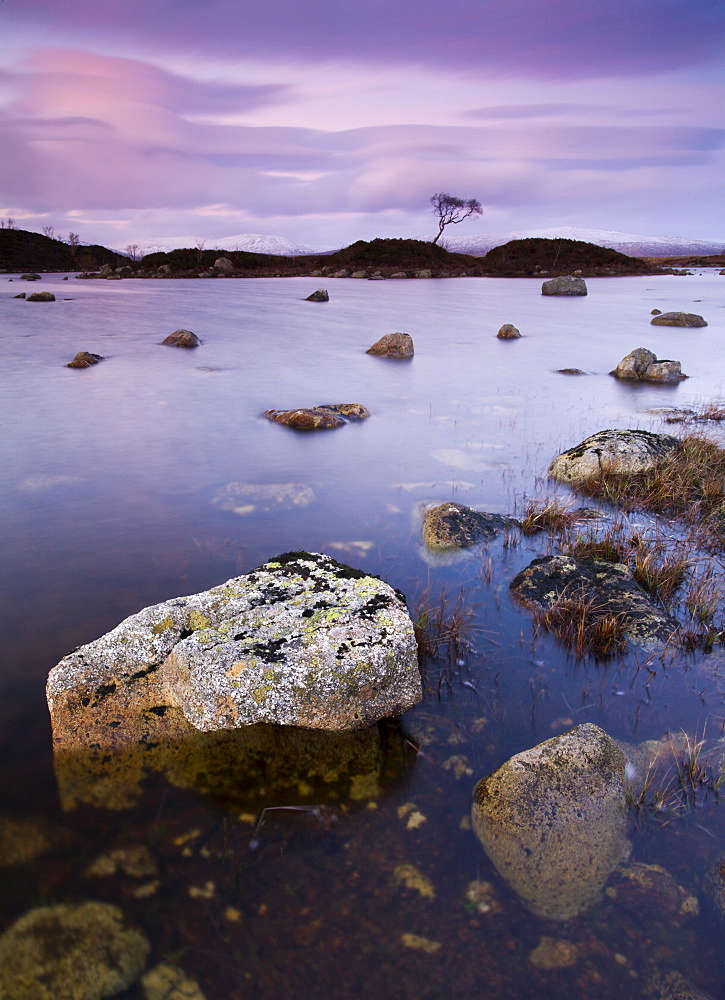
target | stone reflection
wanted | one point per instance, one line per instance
(249, 767)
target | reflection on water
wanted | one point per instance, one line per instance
(291, 865)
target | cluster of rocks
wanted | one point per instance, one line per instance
(327, 416)
(642, 364)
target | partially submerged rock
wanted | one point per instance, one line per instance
(642, 888)
(41, 297)
(321, 295)
(553, 820)
(326, 416)
(84, 359)
(678, 319)
(84, 951)
(455, 526)
(565, 284)
(508, 332)
(609, 587)
(642, 364)
(301, 641)
(616, 451)
(393, 345)
(181, 338)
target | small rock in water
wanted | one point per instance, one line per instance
(453, 525)
(508, 332)
(321, 295)
(393, 345)
(181, 338)
(566, 284)
(41, 297)
(678, 319)
(84, 359)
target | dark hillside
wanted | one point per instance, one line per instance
(21, 250)
(396, 254)
(523, 258)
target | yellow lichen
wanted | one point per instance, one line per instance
(411, 878)
(420, 943)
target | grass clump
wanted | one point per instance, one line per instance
(584, 625)
(444, 631)
(550, 514)
(689, 484)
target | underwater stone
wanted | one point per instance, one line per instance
(84, 952)
(553, 820)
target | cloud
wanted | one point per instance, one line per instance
(557, 39)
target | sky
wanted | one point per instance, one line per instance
(325, 122)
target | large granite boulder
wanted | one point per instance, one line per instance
(181, 338)
(642, 364)
(615, 451)
(301, 641)
(393, 345)
(454, 526)
(553, 820)
(223, 265)
(326, 416)
(84, 951)
(678, 319)
(606, 588)
(565, 284)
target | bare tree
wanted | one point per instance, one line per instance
(200, 244)
(450, 210)
(73, 241)
(49, 231)
(132, 251)
(8, 223)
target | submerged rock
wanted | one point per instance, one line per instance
(393, 345)
(84, 359)
(181, 338)
(565, 284)
(301, 641)
(508, 332)
(616, 451)
(321, 295)
(553, 820)
(83, 951)
(678, 319)
(643, 365)
(455, 526)
(243, 498)
(642, 889)
(609, 587)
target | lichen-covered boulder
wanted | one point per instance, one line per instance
(565, 284)
(181, 338)
(321, 295)
(678, 319)
(83, 952)
(508, 332)
(454, 526)
(84, 359)
(301, 641)
(393, 345)
(616, 451)
(609, 587)
(553, 820)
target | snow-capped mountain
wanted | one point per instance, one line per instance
(250, 242)
(633, 246)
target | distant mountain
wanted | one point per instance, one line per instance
(633, 246)
(248, 242)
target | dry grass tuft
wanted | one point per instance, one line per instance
(585, 626)
(689, 484)
(444, 633)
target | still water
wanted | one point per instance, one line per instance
(109, 502)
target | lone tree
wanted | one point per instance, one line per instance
(451, 210)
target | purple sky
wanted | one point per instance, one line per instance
(327, 122)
